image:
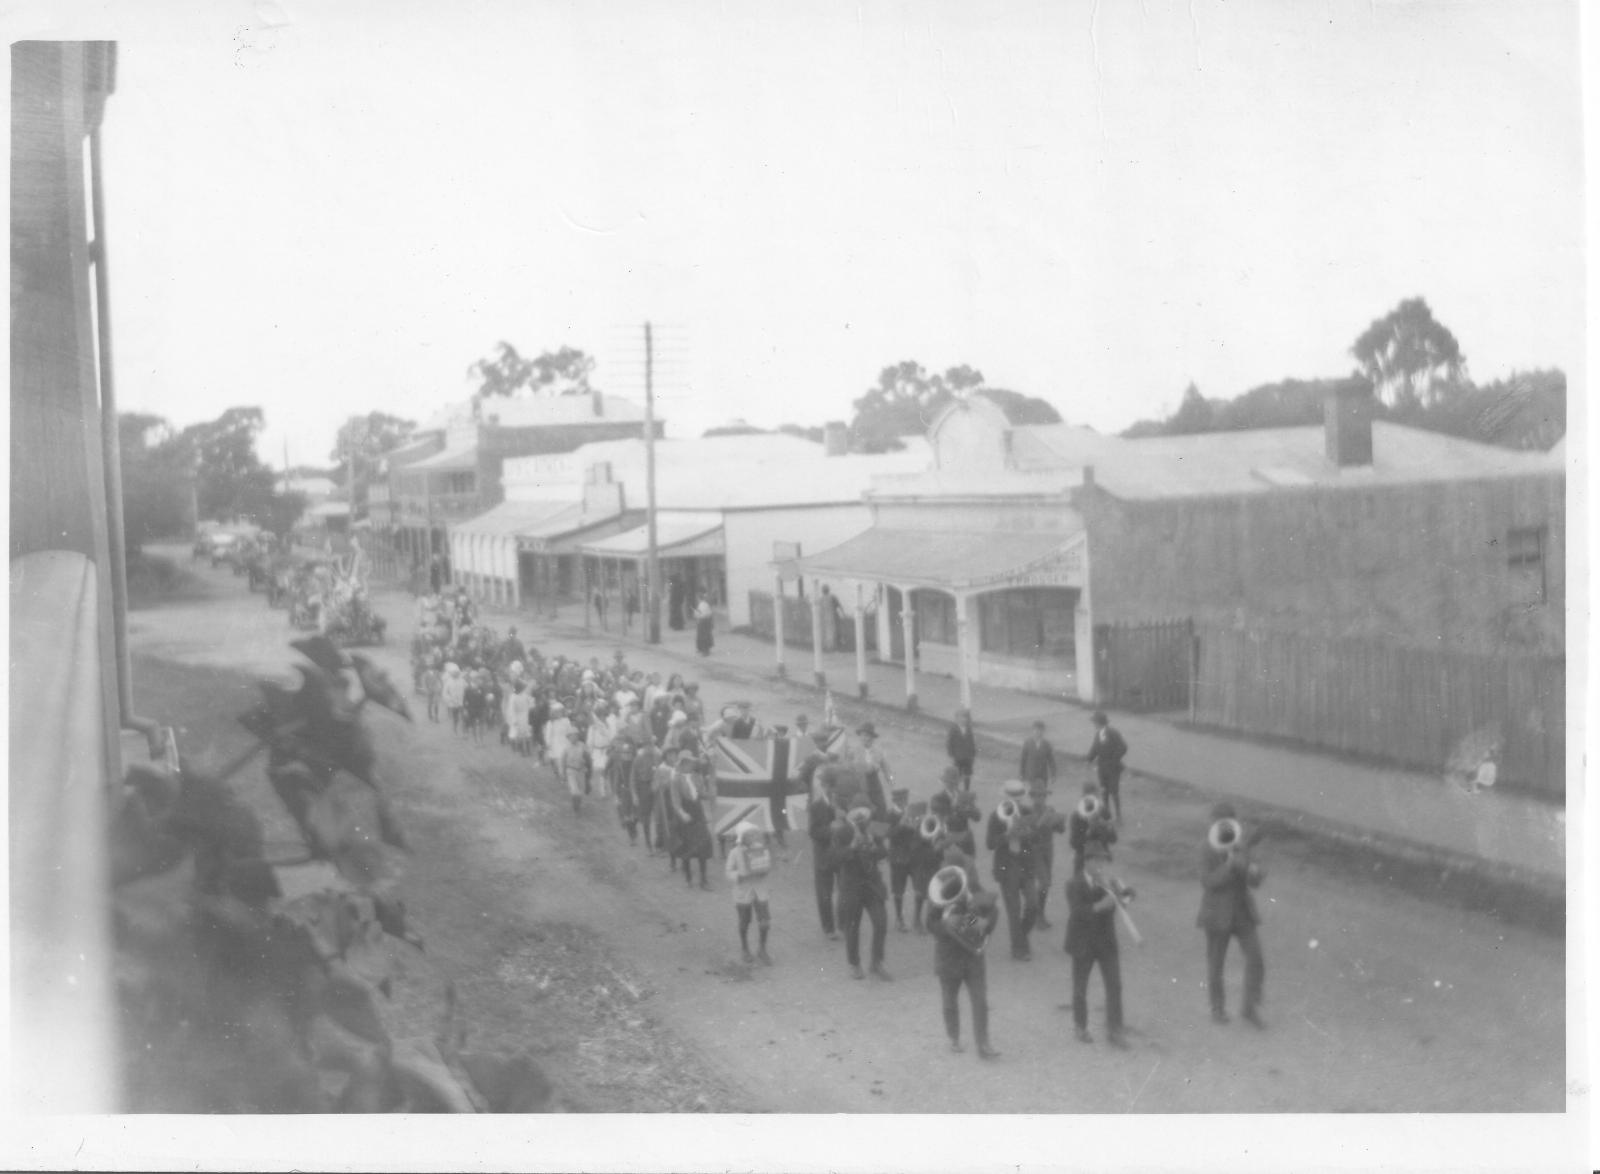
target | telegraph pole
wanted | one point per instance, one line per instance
(652, 564)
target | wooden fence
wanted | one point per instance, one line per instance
(1144, 667)
(1422, 707)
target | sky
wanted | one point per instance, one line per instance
(333, 208)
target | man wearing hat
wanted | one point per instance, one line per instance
(1013, 871)
(1107, 752)
(1227, 911)
(1092, 941)
(879, 777)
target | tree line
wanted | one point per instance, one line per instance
(1417, 375)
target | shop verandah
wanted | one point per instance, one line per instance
(999, 608)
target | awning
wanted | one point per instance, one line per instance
(954, 560)
(677, 536)
(560, 532)
(329, 509)
(512, 517)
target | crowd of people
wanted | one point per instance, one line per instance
(629, 739)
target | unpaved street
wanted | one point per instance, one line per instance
(559, 935)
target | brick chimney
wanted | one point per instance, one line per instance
(1347, 425)
(835, 438)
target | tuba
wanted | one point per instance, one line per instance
(950, 895)
(1090, 807)
(1010, 813)
(931, 828)
(1226, 835)
(948, 885)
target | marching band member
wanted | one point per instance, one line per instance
(1013, 868)
(857, 851)
(902, 841)
(821, 815)
(927, 854)
(1048, 825)
(961, 924)
(1228, 910)
(749, 866)
(1090, 823)
(1107, 752)
(962, 812)
(1092, 940)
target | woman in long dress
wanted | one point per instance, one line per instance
(703, 639)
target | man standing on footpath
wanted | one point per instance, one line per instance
(1107, 752)
(1038, 759)
(961, 744)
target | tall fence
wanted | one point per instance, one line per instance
(1426, 708)
(1144, 667)
(796, 618)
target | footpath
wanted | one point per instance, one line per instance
(1512, 845)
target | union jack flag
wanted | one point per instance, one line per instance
(746, 768)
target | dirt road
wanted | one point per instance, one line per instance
(557, 933)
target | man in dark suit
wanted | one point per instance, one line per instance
(961, 744)
(1092, 940)
(956, 962)
(1013, 871)
(1038, 758)
(1228, 910)
(857, 849)
(821, 816)
(1107, 752)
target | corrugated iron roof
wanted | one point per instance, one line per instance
(677, 536)
(943, 558)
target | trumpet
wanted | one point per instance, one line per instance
(932, 828)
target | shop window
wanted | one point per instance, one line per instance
(1525, 558)
(1037, 623)
(936, 616)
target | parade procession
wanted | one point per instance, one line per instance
(627, 745)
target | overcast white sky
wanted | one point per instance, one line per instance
(328, 208)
